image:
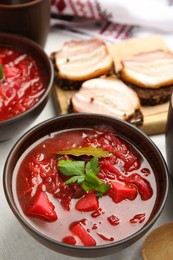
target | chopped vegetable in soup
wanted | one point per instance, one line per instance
(85, 187)
(21, 82)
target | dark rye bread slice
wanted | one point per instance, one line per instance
(80, 60)
(150, 75)
(109, 96)
(152, 97)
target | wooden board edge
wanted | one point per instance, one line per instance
(153, 124)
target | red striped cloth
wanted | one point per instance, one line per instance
(116, 19)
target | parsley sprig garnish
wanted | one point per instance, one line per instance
(85, 174)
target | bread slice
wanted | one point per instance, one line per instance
(80, 60)
(109, 96)
(150, 75)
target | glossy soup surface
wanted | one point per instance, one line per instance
(23, 83)
(114, 215)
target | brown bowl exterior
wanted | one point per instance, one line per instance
(27, 18)
(169, 137)
(132, 134)
(17, 124)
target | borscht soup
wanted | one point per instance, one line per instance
(22, 82)
(84, 187)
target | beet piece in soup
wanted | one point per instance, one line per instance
(93, 185)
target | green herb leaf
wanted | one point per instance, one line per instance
(92, 166)
(86, 186)
(84, 175)
(92, 179)
(103, 188)
(90, 151)
(69, 168)
(99, 195)
(1, 72)
(74, 179)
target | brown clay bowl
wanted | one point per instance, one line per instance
(26, 18)
(133, 135)
(9, 127)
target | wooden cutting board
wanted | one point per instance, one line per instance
(154, 116)
(158, 244)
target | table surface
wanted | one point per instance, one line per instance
(15, 242)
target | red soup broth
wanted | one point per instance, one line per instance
(77, 216)
(23, 83)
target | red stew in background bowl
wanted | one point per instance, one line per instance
(85, 187)
(22, 84)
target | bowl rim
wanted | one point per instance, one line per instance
(21, 5)
(57, 243)
(34, 45)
